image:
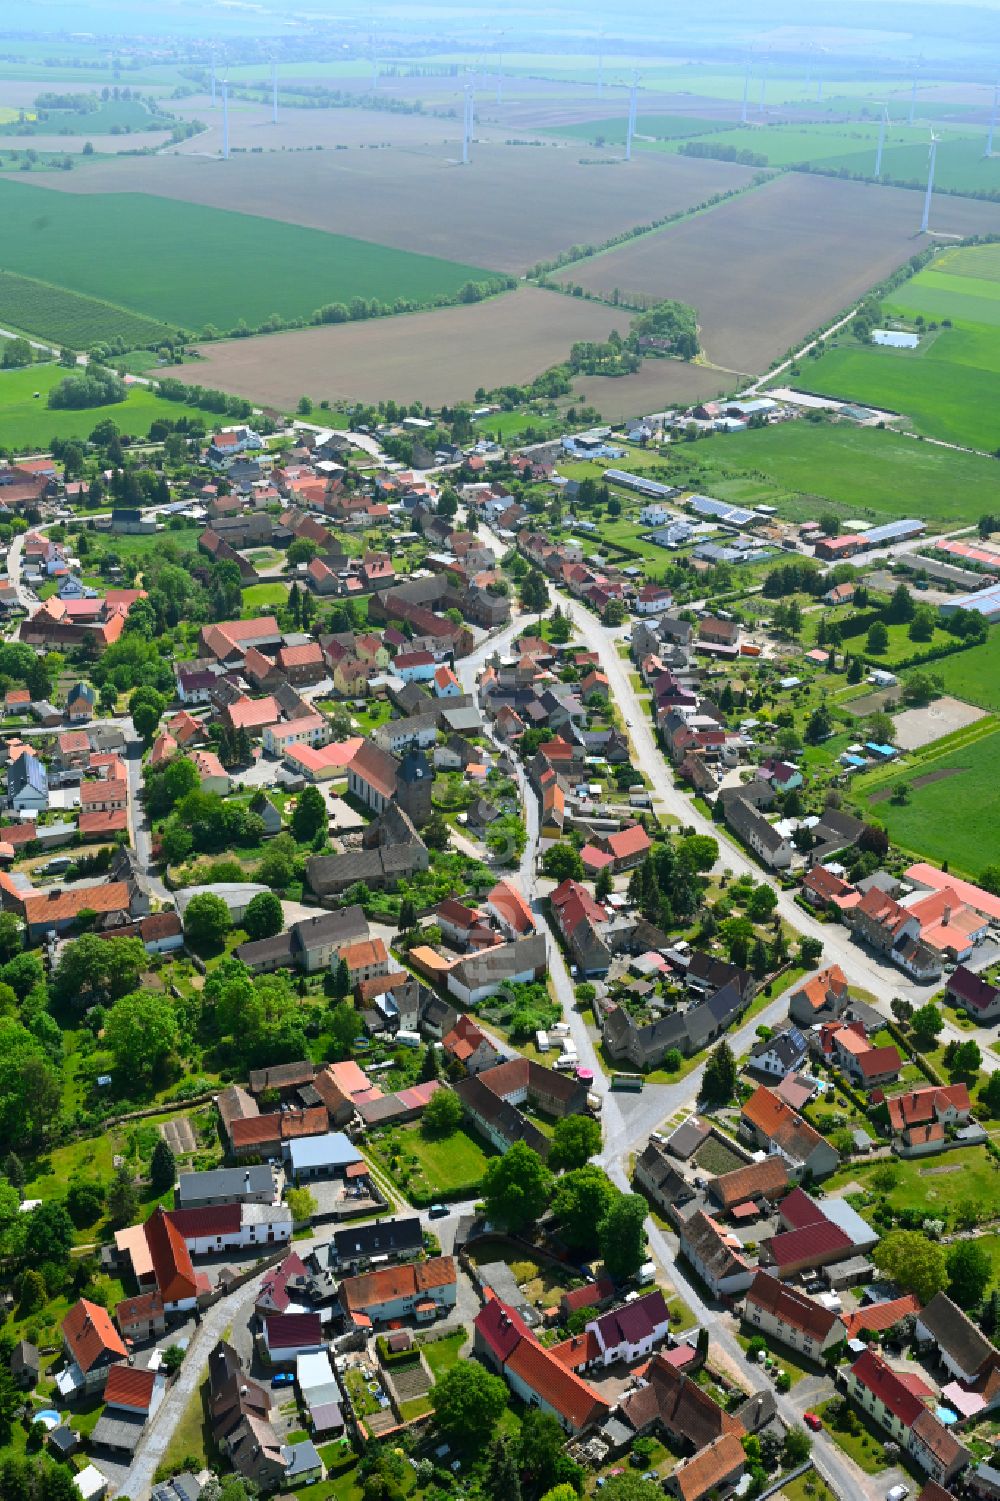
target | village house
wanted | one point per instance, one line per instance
(974, 995)
(821, 998)
(772, 1126)
(419, 1290)
(783, 1313)
(469, 1047)
(921, 1120)
(716, 1255)
(901, 1407)
(504, 1342)
(892, 930)
(92, 1345)
(763, 838)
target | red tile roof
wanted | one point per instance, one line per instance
(922, 1106)
(373, 1289)
(171, 1259)
(287, 1331)
(500, 1327)
(212, 1219)
(131, 1387)
(90, 1334)
(111, 821)
(627, 842)
(555, 1384)
(877, 1317)
(878, 1378)
(792, 1308)
(811, 1244)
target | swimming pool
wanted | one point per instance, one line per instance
(48, 1417)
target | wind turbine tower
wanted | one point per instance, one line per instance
(467, 125)
(225, 119)
(746, 91)
(913, 101)
(213, 82)
(883, 120)
(763, 89)
(274, 93)
(993, 121)
(632, 108)
(925, 221)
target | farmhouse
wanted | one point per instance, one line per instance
(787, 1315)
(415, 1289)
(503, 1341)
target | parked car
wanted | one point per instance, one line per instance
(812, 1420)
(437, 1212)
(283, 1378)
(897, 1493)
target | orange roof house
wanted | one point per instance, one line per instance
(172, 1267)
(90, 1336)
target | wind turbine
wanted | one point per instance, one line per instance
(467, 124)
(274, 92)
(763, 87)
(632, 110)
(993, 121)
(883, 122)
(213, 80)
(931, 161)
(913, 99)
(225, 119)
(746, 91)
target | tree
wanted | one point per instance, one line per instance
(11, 936)
(810, 951)
(263, 917)
(604, 883)
(622, 1235)
(49, 1233)
(927, 1024)
(990, 1095)
(516, 1187)
(84, 1202)
(122, 1201)
(718, 1082)
(796, 1448)
(98, 969)
(630, 1486)
(916, 1263)
(301, 1203)
(534, 592)
(141, 1032)
(967, 1059)
(855, 670)
(443, 1114)
(763, 900)
(877, 640)
(575, 1139)
(341, 981)
(820, 725)
(345, 1028)
(145, 718)
(16, 354)
(310, 815)
(206, 921)
(879, 727)
(561, 862)
(429, 1065)
(922, 626)
(407, 915)
(503, 1477)
(173, 1359)
(541, 1455)
(468, 1400)
(969, 1273)
(699, 851)
(580, 1203)
(162, 1166)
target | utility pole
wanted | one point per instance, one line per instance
(881, 140)
(926, 220)
(746, 91)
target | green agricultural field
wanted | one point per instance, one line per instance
(961, 284)
(67, 318)
(612, 132)
(27, 423)
(265, 596)
(194, 266)
(948, 388)
(112, 117)
(920, 1183)
(943, 817)
(974, 674)
(868, 473)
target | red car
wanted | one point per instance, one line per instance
(812, 1420)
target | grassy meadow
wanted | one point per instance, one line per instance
(26, 422)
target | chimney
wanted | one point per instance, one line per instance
(947, 914)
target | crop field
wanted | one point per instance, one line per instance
(68, 318)
(974, 674)
(948, 388)
(962, 285)
(195, 266)
(943, 817)
(420, 203)
(867, 472)
(26, 422)
(434, 357)
(766, 268)
(660, 127)
(127, 115)
(656, 385)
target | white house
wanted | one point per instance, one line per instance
(633, 1331)
(655, 515)
(222, 1227)
(414, 666)
(716, 1255)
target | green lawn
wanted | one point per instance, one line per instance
(787, 1360)
(192, 1436)
(442, 1354)
(192, 266)
(428, 1167)
(265, 596)
(865, 1446)
(974, 674)
(944, 820)
(26, 422)
(935, 1184)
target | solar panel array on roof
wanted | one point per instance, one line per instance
(893, 531)
(704, 505)
(640, 484)
(983, 602)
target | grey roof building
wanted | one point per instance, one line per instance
(226, 1185)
